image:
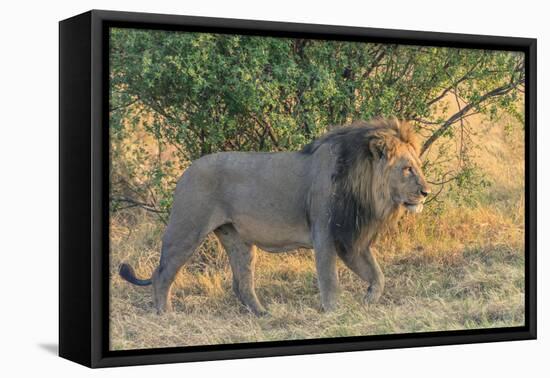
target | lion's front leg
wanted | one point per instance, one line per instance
(366, 267)
(327, 275)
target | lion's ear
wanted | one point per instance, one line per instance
(380, 146)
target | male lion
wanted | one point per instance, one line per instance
(334, 196)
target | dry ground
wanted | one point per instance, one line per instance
(461, 267)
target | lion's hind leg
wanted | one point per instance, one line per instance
(242, 257)
(180, 241)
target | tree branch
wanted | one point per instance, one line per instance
(145, 206)
(454, 84)
(502, 90)
(267, 129)
(123, 105)
(136, 203)
(379, 55)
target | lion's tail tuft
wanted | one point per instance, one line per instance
(127, 273)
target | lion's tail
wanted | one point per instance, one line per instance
(128, 274)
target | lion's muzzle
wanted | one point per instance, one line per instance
(414, 208)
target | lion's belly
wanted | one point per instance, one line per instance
(273, 236)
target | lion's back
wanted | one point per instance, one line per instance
(245, 179)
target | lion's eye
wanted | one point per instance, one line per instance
(408, 170)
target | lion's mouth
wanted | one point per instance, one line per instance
(414, 207)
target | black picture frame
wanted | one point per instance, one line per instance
(84, 186)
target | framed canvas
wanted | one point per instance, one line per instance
(234, 188)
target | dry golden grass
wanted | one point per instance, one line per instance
(458, 268)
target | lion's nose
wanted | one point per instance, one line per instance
(425, 192)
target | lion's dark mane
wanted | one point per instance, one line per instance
(352, 219)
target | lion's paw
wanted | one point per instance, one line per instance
(373, 295)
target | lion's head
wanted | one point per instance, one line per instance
(378, 174)
(398, 168)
